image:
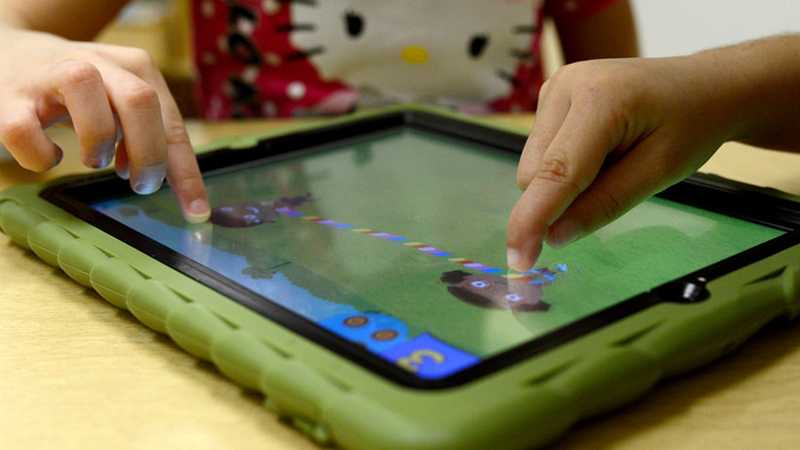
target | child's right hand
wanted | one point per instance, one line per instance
(608, 134)
(118, 103)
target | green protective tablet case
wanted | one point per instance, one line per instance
(337, 402)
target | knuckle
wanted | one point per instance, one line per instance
(588, 77)
(141, 96)
(556, 169)
(176, 134)
(595, 89)
(139, 58)
(79, 72)
(571, 72)
(606, 87)
(577, 79)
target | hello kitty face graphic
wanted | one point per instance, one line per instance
(418, 50)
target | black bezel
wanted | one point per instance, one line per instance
(703, 191)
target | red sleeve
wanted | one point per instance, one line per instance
(575, 9)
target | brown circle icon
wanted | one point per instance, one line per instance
(384, 335)
(356, 321)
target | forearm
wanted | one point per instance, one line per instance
(611, 33)
(758, 84)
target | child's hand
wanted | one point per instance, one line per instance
(608, 134)
(118, 103)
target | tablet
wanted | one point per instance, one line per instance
(380, 242)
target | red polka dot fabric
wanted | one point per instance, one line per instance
(283, 58)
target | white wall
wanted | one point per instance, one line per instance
(670, 27)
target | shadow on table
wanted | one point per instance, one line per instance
(674, 396)
(246, 402)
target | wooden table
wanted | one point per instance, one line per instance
(77, 373)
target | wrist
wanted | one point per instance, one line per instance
(720, 93)
(755, 88)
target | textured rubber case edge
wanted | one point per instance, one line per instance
(336, 402)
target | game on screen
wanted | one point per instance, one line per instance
(396, 243)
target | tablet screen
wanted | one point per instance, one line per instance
(395, 242)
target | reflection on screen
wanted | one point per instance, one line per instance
(396, 243)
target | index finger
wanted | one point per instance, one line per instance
(568, 166)
(183, 172)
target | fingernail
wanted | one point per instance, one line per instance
(564, 233)
(198, 211)
(149, 179)
(514, 258)
(104, 153)
(123, 172)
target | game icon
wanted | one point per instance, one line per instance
(375, 330)
(250, 214)
(491, 291)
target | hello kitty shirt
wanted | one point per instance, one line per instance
(266, 58)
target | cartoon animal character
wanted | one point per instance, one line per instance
(291, 58)
(250, 214)
(491, 291)
(376, 331)
(403, 51)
